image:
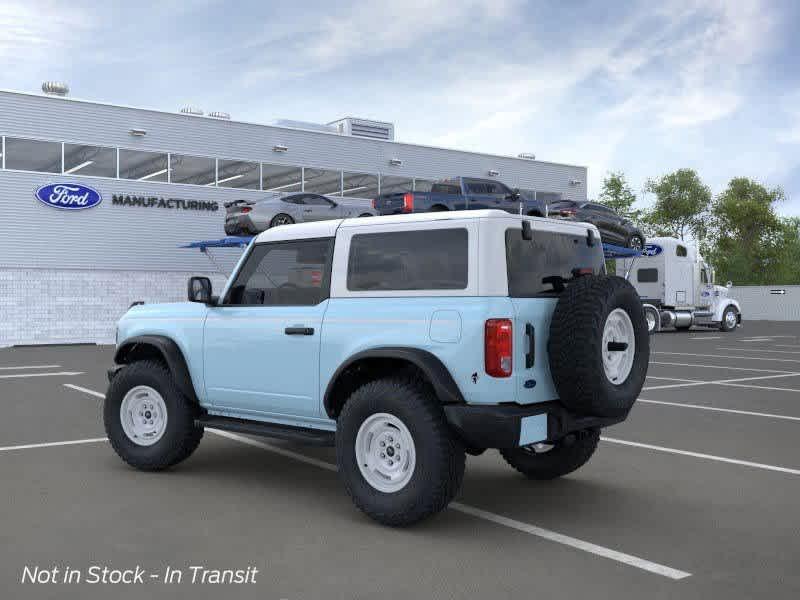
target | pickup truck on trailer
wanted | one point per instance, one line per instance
(462, 193)
(677, 288)
(405, 341)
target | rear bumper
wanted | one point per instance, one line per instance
(512, 425)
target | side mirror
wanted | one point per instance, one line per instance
(199, 290)
(333, 204)
(729, 285)
(514, 195)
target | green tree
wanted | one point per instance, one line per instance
(749, 242)
(681, 206)
(618, 195)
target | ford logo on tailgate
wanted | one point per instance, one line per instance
(69, 196)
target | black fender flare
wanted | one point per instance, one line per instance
(167, 350)
(431, 367)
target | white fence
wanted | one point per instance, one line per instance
(768, 302)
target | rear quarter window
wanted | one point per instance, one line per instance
(530, 262)
(408, 260)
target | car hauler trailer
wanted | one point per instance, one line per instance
(677, 287)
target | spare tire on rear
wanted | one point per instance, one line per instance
(599, 347)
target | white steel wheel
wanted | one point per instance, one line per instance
(730, 319)
(619, 346)
(385, 452)
(651, 318)
(143, 414)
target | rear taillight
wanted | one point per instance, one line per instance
(498, 347)
(568, 212)
(246, 209)
(374, 203)
(408, 203)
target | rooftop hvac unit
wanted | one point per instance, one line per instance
(55, 88)
(192, 110)
(292, 124)
(527, 155)
(376, 130)
(217, 114)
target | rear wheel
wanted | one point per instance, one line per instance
(396, 456)
(149, 422)
(281, 219)
(548, 461)
(653, 319)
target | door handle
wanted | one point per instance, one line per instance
(299, 331)
(530, 355)
(307, 210)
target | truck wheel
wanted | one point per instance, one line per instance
(635, 242)
(148, 421)
(730, 319)
(545, 461)
(599, 347)
(396, 455)
(652, 318)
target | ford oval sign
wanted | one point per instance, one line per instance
(68, 196)
(652, 250)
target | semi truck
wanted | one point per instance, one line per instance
(677, 287)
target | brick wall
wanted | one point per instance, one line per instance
(41, 306)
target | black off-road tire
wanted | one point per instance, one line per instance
(181, 436)
(563, 458)
(575, 346)
(440, 457)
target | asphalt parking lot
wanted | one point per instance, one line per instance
(697, 495)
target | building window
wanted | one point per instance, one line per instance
(360, 185)
(195, 170)
(144, 166)
(680, 251)
(423, 185)
(33, 155)
(323, 181)
(238, 174)
(90, 160)
(280, 178)
(408, 260)
(396, 185)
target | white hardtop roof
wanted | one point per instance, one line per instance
(321, 229)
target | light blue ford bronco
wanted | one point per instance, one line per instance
(405, 341)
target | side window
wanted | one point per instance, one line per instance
(284, 274)
(680, 251)
(647, 275)
(294, 199)
(408, 260)
(476, 188)
(703, 276)
(317, 200)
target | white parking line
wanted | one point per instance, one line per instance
(553, 536)
(51, 444)
(760, 387)
(794, 360)
(724, 410)
(84, 390)
(714, 337)
(760, 350)
(733, 461)
(726, 367)
(20, 375)
(30, 367)
(718, 381)
(674, 379)
(786, 345)
(547, 534)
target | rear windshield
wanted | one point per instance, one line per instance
(446, 188)
(548, 254)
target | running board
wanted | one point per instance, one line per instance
(303, 435)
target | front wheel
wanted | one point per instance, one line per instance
(635, 242)
(730, 319)
(148, 420)
(396, 456)
(549, 461)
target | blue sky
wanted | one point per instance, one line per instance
(640, 87)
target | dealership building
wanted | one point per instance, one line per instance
(158, 180)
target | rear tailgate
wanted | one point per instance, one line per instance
(393, 203)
